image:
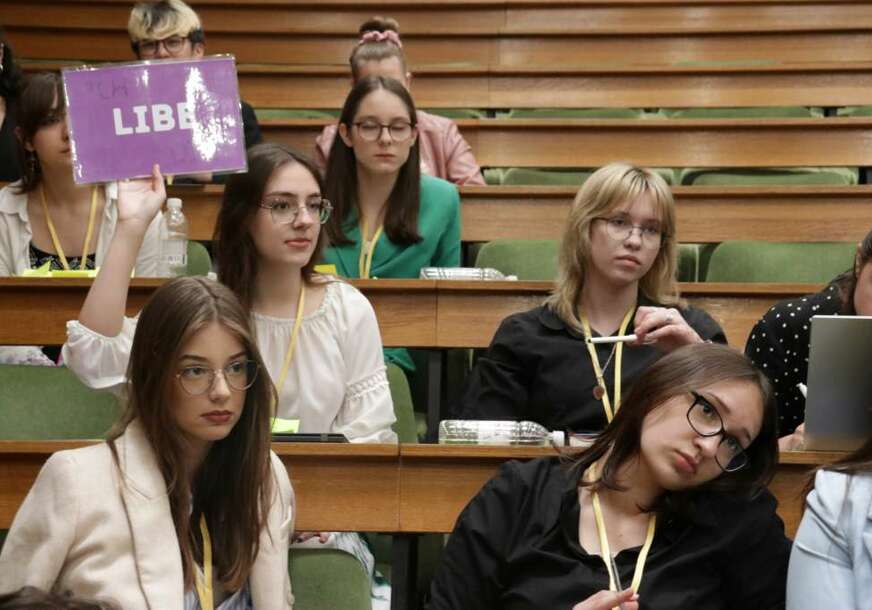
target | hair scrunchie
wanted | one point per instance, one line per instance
(375, 36)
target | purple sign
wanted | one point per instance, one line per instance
(184, 115)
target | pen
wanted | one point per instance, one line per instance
(613, 339)
(618, 584)
(803, 389)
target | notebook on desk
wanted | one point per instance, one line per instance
(838, 409)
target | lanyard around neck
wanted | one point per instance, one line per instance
(298, 320)
(367, 249)
(605, 550)
(204, 583)
(594, 358)
(54, 236)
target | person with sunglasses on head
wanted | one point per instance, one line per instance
(10, 89)
(170, 29)
(444, 153)
(389, 220)
(616, 276)
(667, 509)
(150, 518)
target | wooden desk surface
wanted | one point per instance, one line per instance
(411, 313)
(406, 488)
(705, 214)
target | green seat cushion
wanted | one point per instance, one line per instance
(199, 261)
(265, 114)
(762, 261)
(770, 112)
(784, 176)
(405, 426)
(574, 113)
(328, 579)
(458, 113)
(527, 259)
(48, 403)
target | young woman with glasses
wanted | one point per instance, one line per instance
(616, 276)
(150, 518)
(667, 509)
(389, 220)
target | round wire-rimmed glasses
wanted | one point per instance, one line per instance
(197, 379)
(284, 211)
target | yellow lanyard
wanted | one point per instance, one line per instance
(605, 550)
(54, 236)
(204, 583)
(293, 345)
(367, 249)
(594, 358)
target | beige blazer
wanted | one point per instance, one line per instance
(106, 533)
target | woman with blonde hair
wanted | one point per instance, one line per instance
(616, 276)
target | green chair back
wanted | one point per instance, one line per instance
(783, 176)
(264, 114)
(693, 261)
(48, 403)
(328, 579)
(761, 261)
(458, 113)
(199, 261)
(764, 112)
(527, 259)
(575, 113)
(525, 176)
(405, 426)
(861, 111)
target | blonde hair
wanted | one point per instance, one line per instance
(158, 20)
(609, 186)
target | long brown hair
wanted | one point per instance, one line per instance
(404, 202)
(682, 371)
(376, 50)
(235, 254)
(37, 109)
(236, 506)
(847, 282)
(607, 187)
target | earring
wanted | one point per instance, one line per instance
(33, 162)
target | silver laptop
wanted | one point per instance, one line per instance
(838, 409)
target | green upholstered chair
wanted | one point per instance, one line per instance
(50, 403)
(574, 113)
(855, 111)
(526, 176)
(328, 579)
(761, 261)
(766, 112)
(693, 261)
(493, 176)
(199, 261)
(458, 113)
(527, 259)
(405, 426)
(296, 113)
(783, 176)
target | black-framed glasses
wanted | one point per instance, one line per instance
(706, 421)
(400, 131)
(620, 228)
(284, 211)
(173, 45)
(197, 379)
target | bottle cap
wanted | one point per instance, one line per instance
(559, 438)
(174, 203)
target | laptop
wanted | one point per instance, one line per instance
(838, 409)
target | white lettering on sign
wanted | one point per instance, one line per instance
(157, 117)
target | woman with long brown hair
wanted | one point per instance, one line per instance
(150, 518)
(667, 509)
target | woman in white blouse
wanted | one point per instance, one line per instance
(332, 376)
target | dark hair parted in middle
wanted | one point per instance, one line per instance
(404, 202)
(10, 73)
(42, 103)
(237, 505)
(235, 254)
(687, 369)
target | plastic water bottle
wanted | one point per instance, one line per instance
(478, 432)
(173, 240)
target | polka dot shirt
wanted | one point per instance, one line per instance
(779, 344)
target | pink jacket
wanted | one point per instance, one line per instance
(444, 152)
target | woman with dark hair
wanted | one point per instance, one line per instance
(46, 217)
(669, 504)
(779, 342)
(831, 561)
(10, 85)
(443, 151)
(150, 518)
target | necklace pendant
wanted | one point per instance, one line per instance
(598, 392)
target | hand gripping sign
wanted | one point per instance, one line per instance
(184, 115)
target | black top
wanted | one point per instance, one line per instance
(779, 345)
(10, 170)
(39, 257)
(515, 547)
(539, 369)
